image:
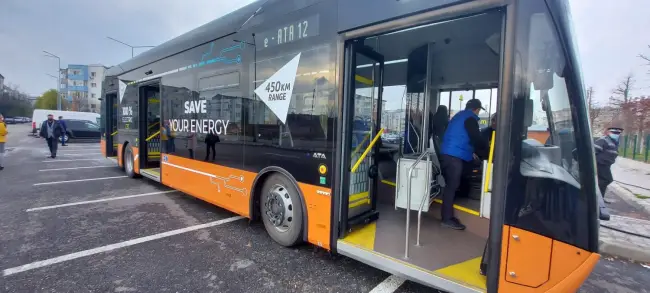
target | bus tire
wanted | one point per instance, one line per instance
(129, 162)
(281, 210)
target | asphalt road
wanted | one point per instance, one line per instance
(154, 241)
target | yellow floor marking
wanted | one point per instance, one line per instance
(460, 208)
(364, 237)
(467, 272)
(359, 196)
(155, 171)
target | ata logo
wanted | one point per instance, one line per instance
(319, 156)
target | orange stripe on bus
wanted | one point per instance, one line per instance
(318, 203)
(225, 187)
(136, 160)
(569, 266)
(119, 155)
(102, 146)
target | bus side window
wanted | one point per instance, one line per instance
(544, 194)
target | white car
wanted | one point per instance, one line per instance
(40, 115)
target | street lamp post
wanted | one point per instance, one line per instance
(125, 44)
(58, 79)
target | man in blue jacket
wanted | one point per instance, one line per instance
(460, 144)
(64, 128)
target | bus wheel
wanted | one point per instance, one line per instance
(281, 209)
(129, 162)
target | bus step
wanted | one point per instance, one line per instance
(365, 218)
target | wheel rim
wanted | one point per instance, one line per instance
(129, 161)
(279, 208)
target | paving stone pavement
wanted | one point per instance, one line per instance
(618, 243)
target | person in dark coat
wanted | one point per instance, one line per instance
(211, 141)
(51, 131)
(606, 148)
(487, 131)
(461, 144)
(64, 128)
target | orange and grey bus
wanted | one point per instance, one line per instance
(318, 118)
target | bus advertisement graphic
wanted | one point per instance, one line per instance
(276, 91)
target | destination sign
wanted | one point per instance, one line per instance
(288, 33)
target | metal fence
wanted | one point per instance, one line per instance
(635, 147)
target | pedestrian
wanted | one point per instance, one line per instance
(461, 142)
(167, 136)
(64, 128)
(3, 140)
(191, 144)
(211, 141)
(51, 131)
(606, 148)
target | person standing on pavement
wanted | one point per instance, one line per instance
(3, 140)
(51, 131)
(606, 148)
(64, 128)
(461, 142)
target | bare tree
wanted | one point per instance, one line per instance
(594, 108)
(623, 102)
(645, 57)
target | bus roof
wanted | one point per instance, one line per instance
(215, 29)
(351, 14)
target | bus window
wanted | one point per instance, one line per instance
(544, 193)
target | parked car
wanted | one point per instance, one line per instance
(10, 120)
(40, 115)
(81, 131)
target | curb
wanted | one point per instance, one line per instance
(625, 250)
(628, 196)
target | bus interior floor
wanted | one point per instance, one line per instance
(442, 251)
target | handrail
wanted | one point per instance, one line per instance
(427, 191)
(114, 133)
(408, 200)
(361, 144)
(408, 134)
(152, 125)
(488, 172)
(152, 136)
(365, 153)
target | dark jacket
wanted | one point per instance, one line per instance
(56, 131)
(63, 125)
(606, 154)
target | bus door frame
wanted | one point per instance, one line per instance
(352, 48)
(108, 121)
(143, 109)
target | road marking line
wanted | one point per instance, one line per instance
(97, 200)
(79, 180)
(74, 168)
(106, 248)
(72, 160)
(389, 285)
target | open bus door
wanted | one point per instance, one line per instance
(364, 80)
(109, 133)
(149, 135)
(538, 230)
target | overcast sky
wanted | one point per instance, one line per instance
(610, 35)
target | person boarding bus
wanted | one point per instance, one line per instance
(459, 144)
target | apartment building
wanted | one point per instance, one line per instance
(81, 86)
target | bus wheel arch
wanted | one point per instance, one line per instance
(128, 161)
(258, 188)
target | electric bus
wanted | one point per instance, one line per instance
(276, 111)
